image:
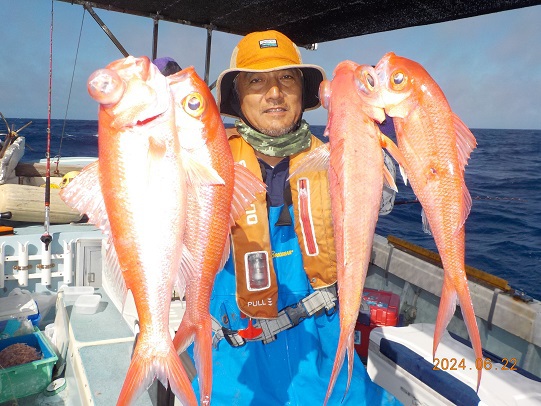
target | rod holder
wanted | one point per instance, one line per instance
(68, 262)
(46, 264)
(22, 266)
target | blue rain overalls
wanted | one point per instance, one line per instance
(295, 368)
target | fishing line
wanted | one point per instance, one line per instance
(58, 155)
(46, 237)
(512, 199)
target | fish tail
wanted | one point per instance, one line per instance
(466, 307)
(203, 359)
(448, 302)
(445, 313)
(202, 351)
(144, 369)
(344, 343)
(184, 335)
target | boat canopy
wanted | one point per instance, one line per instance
(307, 22)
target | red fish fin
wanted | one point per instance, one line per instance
(426, 224)
(184, 335)
(465, 141)
(203, 359)
(199, 174)
(351, 357)
(144, 369)
(202, 351)
(343, 344)
(389, 179)
(446, 311)
(316, 160)
(466, 206)
(247, 185)
(186, 272)
(83, 193)
(466, 307)
(392, 148)
(227, 249)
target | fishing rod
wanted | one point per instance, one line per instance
(46, 238)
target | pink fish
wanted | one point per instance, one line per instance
(436, 146)
(356, 176)
(222, 191)
(136, 192)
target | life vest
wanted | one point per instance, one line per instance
(256, 286)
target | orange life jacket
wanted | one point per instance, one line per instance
(251, 236)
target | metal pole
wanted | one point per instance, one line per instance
(207, 59)
(105, 29)
(155, 39)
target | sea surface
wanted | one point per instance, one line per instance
(503, 231)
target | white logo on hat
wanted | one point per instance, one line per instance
(268, 43)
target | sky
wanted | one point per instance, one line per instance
(489, 67)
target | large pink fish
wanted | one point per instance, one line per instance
(356, 175)
(436, 146)
(136, 192)
(221, 192)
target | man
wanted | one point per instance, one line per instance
(276, 325)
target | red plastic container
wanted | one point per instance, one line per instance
(379, 308)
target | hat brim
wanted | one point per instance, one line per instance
(313, 75)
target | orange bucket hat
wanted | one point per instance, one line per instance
(266, 51)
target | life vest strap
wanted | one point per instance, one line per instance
(314, 304)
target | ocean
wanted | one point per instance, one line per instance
(503, 231)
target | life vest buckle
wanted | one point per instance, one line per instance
(296, 313)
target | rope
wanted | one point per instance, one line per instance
(58, 155)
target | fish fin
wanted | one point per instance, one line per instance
(388, 179)
(247, 186)
(145, 367)
(186, 272)
(445, 313)
(203, 359)
(316, 160)
(468, 314)
(84, 194)
(344, 343)
(465, 141)
(426, 224)
(202, 332)
(199, 174)
(227, 252)
(466, 206)
(392, 148)
(184, 335)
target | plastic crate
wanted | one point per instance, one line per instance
(30, 378)
(379, 308)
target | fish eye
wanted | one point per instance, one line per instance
(370, 80)
(399, 80)
(194, 104)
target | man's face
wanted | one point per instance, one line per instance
(271, 101)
